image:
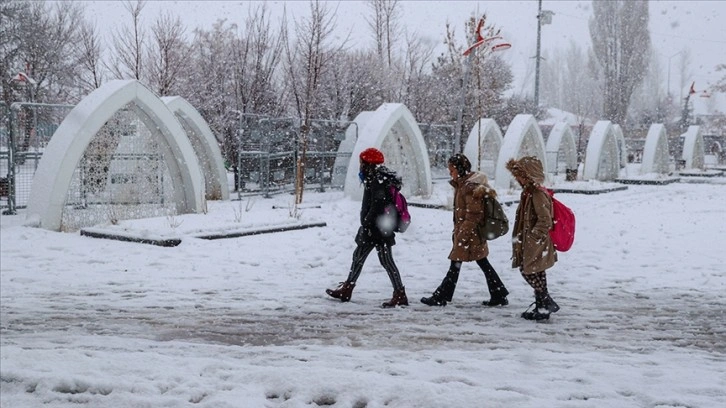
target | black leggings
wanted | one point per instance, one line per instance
(385, 255)
(494, 283)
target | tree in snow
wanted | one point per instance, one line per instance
(167, 55)
(127, 60)
(385, 26)
(88, 54)
(306, 61)
(489, 77)
(37, 39)
(621, 44)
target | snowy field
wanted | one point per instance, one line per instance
(245, 322)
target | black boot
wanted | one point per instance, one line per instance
(443, 294)
(497, 292)
(539, 312)
(498, 298)
(550, 304)
(436, 299)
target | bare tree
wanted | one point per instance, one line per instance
(168, 54)
(482, 93)
(12, 15)
(306, 62)
(385, 26)
(88, 51)
(720, 86)
(256, 59)
(209, 84)
(129, 45)
(621, 43)
(36, 40)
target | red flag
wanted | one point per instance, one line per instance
(693, 90)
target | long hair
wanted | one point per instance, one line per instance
(461, 164)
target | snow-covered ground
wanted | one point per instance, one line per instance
(245, 322)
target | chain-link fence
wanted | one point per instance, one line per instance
(439, 140)
(268, 150)
(263, 156)
(25, 130)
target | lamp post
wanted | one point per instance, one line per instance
(543, 17)
(669, 73)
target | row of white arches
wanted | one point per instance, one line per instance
(195, 164)
(393, 129)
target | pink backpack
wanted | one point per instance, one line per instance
(563, 230)
(403, 216)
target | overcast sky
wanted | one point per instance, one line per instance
(674, 25)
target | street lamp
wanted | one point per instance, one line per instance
(544, 17)
(669, 72)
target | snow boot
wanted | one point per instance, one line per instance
(444, 293)
(342, 292)
(539, 312)
(399, 299)
(497, 298)
(436, 299)
(550, 304)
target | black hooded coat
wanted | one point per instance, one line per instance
(377, 213)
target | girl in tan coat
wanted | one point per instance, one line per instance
(532, 249)
(469, 191)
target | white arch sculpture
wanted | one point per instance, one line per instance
(205, 146)
(392, 129)
(561, 147)
(523, 138)
(66, 148)
(483, 146)
(602, 157)
(693, 148)
(342, 160)
(655, 151)
(622, 149)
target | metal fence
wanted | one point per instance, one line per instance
(262, 159)
(25, 130)
(268, 150)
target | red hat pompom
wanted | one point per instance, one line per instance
(372, 155)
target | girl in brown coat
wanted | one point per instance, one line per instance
(532, 249)
(469, 191)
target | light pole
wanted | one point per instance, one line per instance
(669, 73)
(543, 17)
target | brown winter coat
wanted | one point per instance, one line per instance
(532, 249)
(469, 193)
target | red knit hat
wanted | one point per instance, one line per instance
(372, 155)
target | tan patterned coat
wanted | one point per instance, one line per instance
(532, 249)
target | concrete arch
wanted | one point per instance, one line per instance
(523, 138)
(561, 148)
(393, 129)
(483, 146)
(602, 156)
(205, 146)
(693, 148)
(68, 144)
(343, 158)
(655, 151)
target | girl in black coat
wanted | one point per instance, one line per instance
(377, 224)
